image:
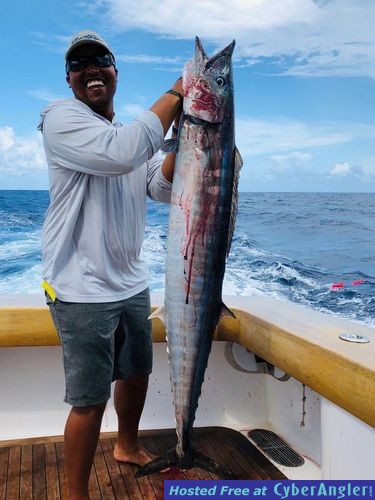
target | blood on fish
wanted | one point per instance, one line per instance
(204, 193)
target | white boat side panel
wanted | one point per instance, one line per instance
(284, 411)
(32, 391)
(348, 445)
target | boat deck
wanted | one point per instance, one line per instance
(34, 469)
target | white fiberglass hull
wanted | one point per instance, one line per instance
(334, 443)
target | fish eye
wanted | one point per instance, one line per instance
(220, 81)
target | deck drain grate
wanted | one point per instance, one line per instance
(276, 448)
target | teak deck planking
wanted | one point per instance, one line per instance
(35, 470)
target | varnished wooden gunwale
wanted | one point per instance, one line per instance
(299, 341)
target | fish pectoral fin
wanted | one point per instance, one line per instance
(159, 464)
(225, 311)
(169, 146)
(159, 313)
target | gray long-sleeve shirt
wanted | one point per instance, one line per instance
(100, 173)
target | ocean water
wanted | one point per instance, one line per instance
(295, 246)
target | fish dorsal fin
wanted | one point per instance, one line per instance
(225, 311)
(238, 162)
(159, 313)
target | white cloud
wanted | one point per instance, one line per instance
(368, 168)
(165, 63)
(132, 110)
(45, 95)
(364, 172)
(283, 150)
(295, 159)
(19, 155)
(147, 59)
(6, 139)
(308, 37)
(217, 19)
(255, 136)
(341, 169)
(51, 41)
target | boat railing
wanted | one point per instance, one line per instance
(302, 343)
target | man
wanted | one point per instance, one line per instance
(96, 284)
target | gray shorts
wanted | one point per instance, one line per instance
(102, 342)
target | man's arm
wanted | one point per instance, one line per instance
(169, 161)
(168, 106)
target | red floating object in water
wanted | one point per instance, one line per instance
(358, 282)
(336, 286)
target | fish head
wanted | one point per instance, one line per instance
(208, 84)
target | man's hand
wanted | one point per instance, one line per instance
(169, 106)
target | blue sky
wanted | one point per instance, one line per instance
(304, 73)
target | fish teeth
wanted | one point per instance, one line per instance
(93, 83)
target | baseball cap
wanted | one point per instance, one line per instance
(84, 37)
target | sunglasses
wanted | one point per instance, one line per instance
(83, 62)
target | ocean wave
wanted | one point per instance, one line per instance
(288, 247)
(27, 281)
(21, 245)
(11, 220)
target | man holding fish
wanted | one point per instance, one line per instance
(100, 172)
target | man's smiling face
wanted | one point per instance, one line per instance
(93, 85)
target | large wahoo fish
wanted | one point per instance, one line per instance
(201, 224)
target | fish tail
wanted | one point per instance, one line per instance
(204, 462)
(195, 459)
(170, 459)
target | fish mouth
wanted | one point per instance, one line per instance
(203, 101)
(204, 98)
(206, 104)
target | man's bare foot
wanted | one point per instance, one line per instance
(138, 457)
